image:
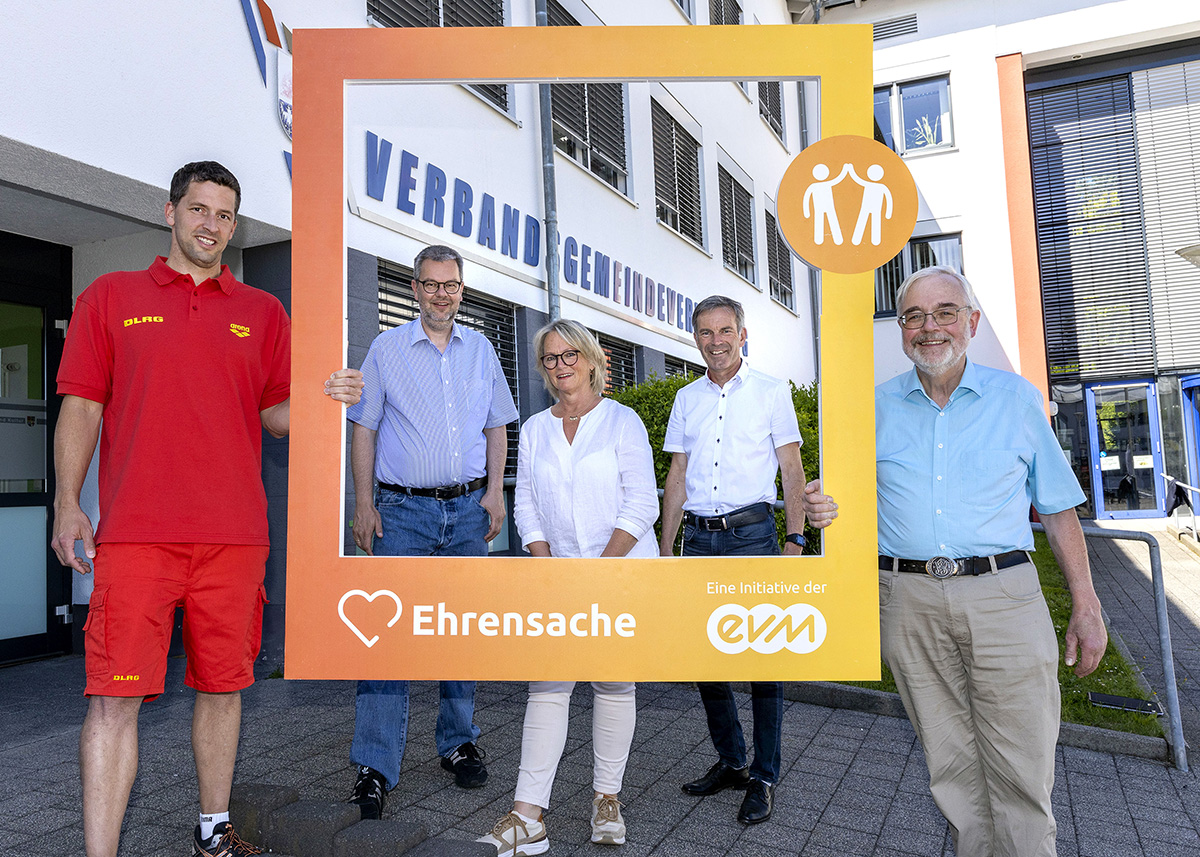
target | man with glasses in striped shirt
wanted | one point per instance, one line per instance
(427, 454)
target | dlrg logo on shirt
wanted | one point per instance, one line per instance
(766, 628)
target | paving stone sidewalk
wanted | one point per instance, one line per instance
(1121, 572)
(853, 784)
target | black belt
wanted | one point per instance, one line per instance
(445, 492)
(943, 566)
(737, 518)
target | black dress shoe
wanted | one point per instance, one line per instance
(719, 777)
(758, 802)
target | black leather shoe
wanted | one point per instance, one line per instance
(758, 802)
(719, 777)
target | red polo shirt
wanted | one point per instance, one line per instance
(182, 371)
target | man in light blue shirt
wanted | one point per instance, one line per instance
(962, 451)
(427, 454)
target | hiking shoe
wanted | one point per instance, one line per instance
(608, 827)
(513, 836)
(223, 843)
(369, 791)
(467, 765)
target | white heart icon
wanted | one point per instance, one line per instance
(370, 598)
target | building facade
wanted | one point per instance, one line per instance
(665, 195)
(1054, 149)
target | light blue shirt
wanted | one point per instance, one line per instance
(430, 408)
(958, 481)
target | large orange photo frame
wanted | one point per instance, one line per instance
(514, 618)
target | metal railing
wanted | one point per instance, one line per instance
(1175, 724)
(1192, 508)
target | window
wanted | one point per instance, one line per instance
(676, 175)
(779, 265)
(724, 12)
(770, 105)
(622, 371)
(589, 118)
(911, 117)
(446, 13)
(493, 318)
(676, 366)
(737, 225)
(918, 253)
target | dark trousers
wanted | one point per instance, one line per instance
(766, 696)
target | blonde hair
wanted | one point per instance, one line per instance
(580, 339)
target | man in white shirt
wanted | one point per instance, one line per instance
(730, 431)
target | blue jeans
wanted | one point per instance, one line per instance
(418, 526)
(766, 696)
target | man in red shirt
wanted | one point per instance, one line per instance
(186, 366)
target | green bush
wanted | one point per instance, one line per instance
(652, 401)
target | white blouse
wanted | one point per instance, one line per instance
(573, 495)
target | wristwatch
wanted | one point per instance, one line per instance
(795, 538)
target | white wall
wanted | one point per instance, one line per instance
(963, 188)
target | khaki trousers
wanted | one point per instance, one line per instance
(976, 660)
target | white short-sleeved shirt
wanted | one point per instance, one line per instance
(573, 495)
(730, 435)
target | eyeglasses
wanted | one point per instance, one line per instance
(915, 319)
(569, 358)
(430, 287)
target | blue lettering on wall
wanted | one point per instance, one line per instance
(570, 265)
(487, 222)
(408, 182)
(533, 240)
(434, 210)
(379, 158)
(460, 215)
(582, 265)
(585, 265)
(510, 231)
(603, 267)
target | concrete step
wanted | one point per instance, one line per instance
(275, 818)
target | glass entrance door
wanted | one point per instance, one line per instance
(1126, 450)
(1191, 428)
(35, 591)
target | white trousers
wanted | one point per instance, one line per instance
(614, 712)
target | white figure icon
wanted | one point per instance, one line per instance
(875, 208)
(876, 199)
(820, 194)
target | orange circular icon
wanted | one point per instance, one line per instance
(847, 204)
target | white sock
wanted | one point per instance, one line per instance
(526, 818)
(208, 822)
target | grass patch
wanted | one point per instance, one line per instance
(276, 673)
(1114, 675)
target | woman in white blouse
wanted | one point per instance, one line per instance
(585, 488)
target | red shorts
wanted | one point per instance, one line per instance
(132, 612)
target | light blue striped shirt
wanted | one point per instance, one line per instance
(430, 408)
(958, 481)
